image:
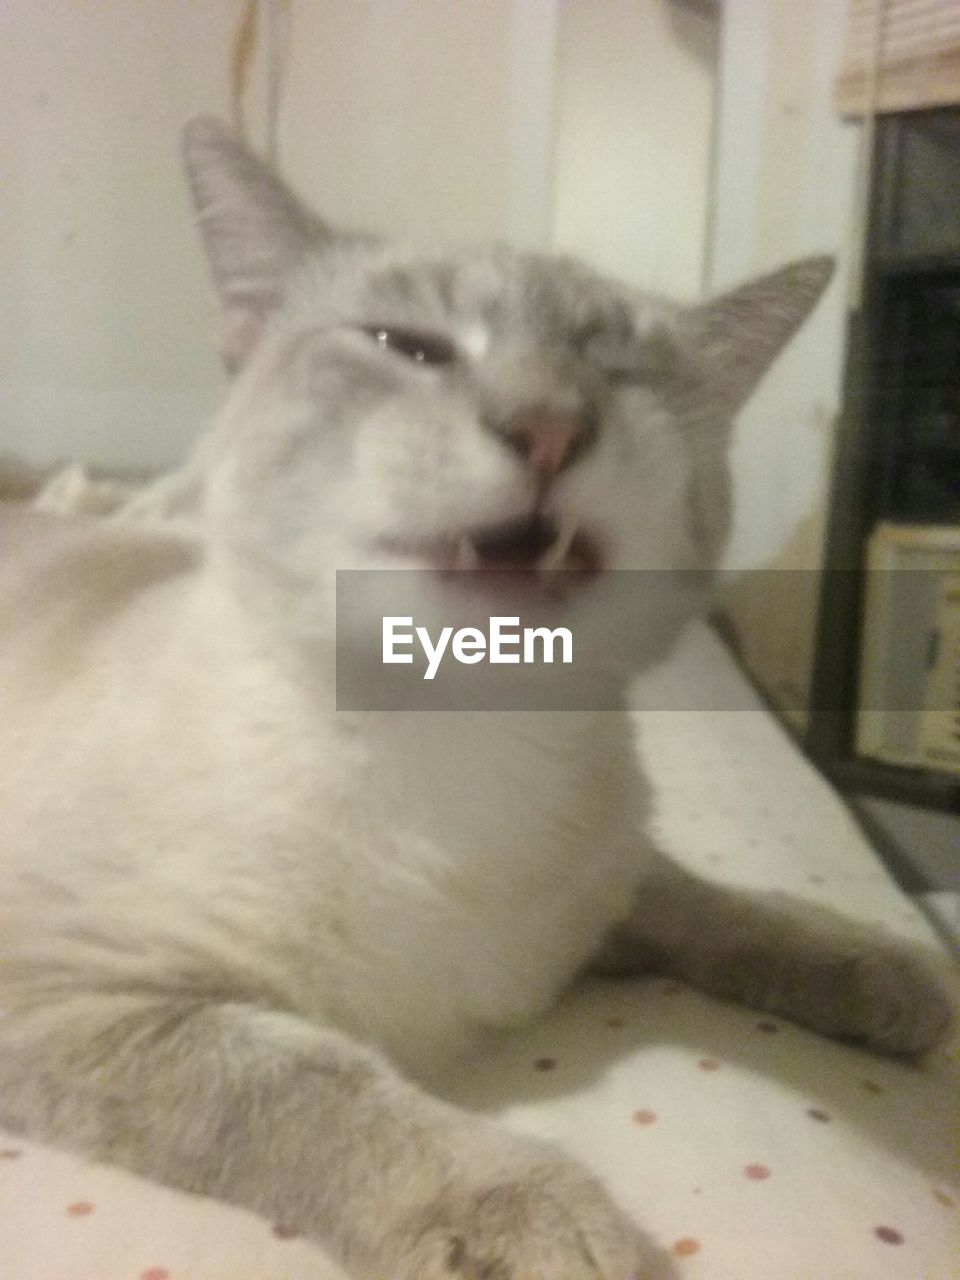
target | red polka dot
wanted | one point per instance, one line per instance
(708, 1064)
(757, 1172)
(544, 1064)
(155, 1273)
(686, 1247)
(283, 1231)
(81, 1209)
(888, 1235)
(816, 1114)
(644, 1117)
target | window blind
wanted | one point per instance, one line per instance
(900, 55)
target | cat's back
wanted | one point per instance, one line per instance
(79, 599)
(82, 562)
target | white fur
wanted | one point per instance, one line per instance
(217, 891)
(377, 871)
(179, 795)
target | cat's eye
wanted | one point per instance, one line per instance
(413, 344)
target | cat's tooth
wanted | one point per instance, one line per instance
(466, 557)
(556, 554)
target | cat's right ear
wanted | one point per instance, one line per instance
(254, 229)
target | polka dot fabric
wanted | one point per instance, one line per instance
(750, 1149)
(65, 1219)
(776, 1163)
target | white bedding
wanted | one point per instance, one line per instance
(751, 1149)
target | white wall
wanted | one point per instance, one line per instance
(423, 118)
(786, 177)
(106, 350)
(579, 124)
(634, 139)
(411, 116)
(786, 169)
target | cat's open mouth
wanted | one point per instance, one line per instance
(536, 542)
(520, 550)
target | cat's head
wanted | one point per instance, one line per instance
(429, 408)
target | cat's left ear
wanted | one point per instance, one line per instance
(738, 335)
(254, 229)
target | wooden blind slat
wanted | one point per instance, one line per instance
(917, 50)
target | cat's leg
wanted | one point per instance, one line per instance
(300, 1124)
(782, 955)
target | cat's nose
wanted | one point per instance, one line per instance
(548, 439)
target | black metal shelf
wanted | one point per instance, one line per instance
(925, 787)
(903, 358)
(930, 264)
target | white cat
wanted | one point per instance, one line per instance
(231, 914)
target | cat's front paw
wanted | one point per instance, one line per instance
(853, 985)
(540, 1217)
(888, 1000)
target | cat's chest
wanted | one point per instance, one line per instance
(467, 886)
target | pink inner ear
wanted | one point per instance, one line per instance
(242, 327)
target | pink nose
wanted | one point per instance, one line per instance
(548, 439)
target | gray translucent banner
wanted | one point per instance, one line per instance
(413, 640)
